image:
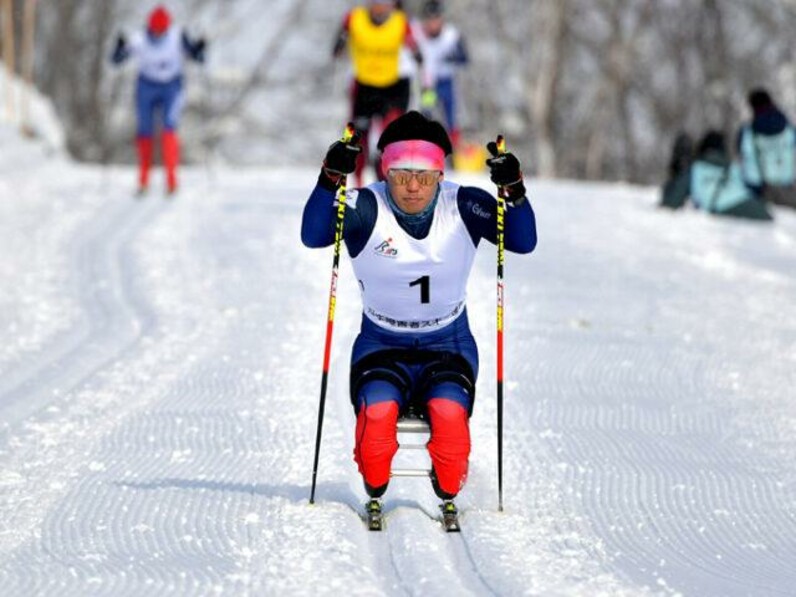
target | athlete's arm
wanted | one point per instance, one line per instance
(479, 213)
(410, 41)
(125, 49)
(320, 214)
(193, 48)
(458, 54)
(342, 36)
(121, 51)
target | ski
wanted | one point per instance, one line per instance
(450, 517)
(374, 517)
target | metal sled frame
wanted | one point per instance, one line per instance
(415, 426)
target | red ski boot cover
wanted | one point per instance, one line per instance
(449, 446)
(376, 441)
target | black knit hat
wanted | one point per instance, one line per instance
(759, 99)
(414, 126)
(432, 9)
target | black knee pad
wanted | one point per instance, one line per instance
(376, 366)
(450, 368)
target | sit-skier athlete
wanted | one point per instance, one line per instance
(412, 239)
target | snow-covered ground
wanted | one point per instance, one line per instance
(159, 377)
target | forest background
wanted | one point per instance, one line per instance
(582, 89)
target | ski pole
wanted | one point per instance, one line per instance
(501, 214)
(338, 239)
(208, 124)
(207, 109)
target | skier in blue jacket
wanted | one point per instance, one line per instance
(160, 52)
(412, 239)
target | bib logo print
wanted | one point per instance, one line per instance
(385, 249)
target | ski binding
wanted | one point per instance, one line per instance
(374, 516)
(450, 517)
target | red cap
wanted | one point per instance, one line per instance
(159, 20)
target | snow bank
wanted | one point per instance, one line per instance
(24, 108)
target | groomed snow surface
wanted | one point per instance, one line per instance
(160, 366)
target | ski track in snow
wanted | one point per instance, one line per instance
(159, 425)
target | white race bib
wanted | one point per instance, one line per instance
(411, 285)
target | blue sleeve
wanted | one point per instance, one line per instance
(194, 49)
(459, 54)
(320, 213)
(479, 212)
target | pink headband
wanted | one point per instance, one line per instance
(413, 155)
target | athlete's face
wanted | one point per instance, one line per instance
(379, 11)
(432, 26)
(413, 190)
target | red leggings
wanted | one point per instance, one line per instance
(449, 446)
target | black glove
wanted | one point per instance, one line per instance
(504, 170)
(119, 50)
(199, 49)
(341, 159)
(121, 43)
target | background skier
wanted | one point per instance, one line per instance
(443, 49)
(412, 239)
(375, 35)
(160, 51)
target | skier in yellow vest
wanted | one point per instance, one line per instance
(374, 34)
